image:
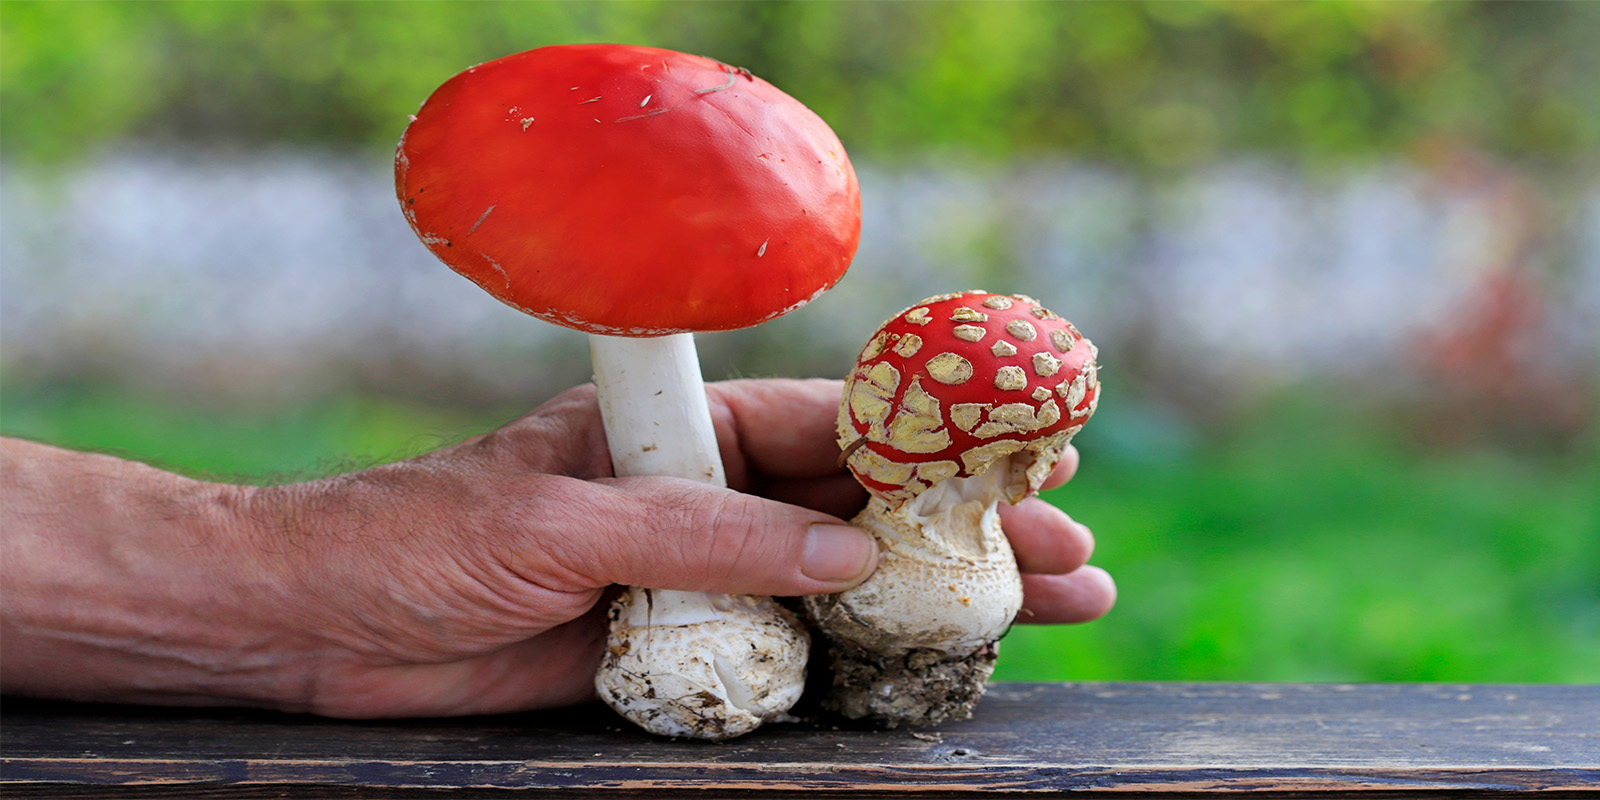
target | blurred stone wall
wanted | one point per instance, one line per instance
(284, 273)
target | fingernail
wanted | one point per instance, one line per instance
(838, 553)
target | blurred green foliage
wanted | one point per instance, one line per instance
(1305, 545)
(1162, 84)
(1313, 544)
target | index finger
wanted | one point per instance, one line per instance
(1065, 469)
(779, 428)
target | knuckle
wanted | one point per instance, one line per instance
(714, 536)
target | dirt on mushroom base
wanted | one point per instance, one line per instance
(877, 688)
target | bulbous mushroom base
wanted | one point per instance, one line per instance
(913, 688)
(705, 666)
(915, 642)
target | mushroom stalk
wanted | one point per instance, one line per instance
(653, 403)
(709, 666)
(917, 641)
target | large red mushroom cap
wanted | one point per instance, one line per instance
(629, 190)
(962, 382)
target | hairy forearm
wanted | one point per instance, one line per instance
(126, 583)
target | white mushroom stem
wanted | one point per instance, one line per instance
(653, 402)
(916, 642)
(710, 666)
(951, 530)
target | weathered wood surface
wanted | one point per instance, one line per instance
(1381, 740)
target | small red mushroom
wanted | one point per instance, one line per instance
(957, 403)
(640, 195)
(960, 382)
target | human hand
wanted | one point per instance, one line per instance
(468, 580)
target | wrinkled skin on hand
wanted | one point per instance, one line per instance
(471, 579)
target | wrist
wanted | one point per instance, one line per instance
(125, 583)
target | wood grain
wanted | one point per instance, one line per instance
(1381, 740)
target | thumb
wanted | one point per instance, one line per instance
(669, 533)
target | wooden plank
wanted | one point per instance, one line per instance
(1171, 738)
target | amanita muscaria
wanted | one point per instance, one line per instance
(640, 195)
(957, 403)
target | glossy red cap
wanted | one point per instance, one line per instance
(960, 383)
(629, 190)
